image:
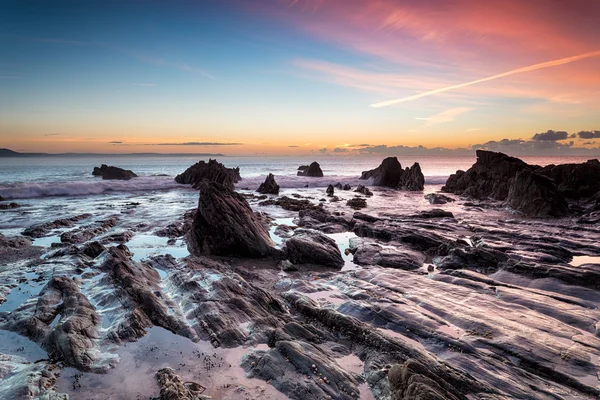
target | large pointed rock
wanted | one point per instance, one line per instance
(269, 186)
(226, 226)
(211, 170)
(391, 174)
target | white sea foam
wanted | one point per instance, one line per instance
(26, 190)
(84, 188)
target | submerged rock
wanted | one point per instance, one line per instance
(437, 198)
(314, 170)
(41, 230)
(364, 190)
(9, 206)
(391, 174)
(269, 186)
(213, 171)
(357, 203)
(110, 172)
(312, 247)
(226, 225)
(536, 196)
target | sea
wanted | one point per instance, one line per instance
(71, 176)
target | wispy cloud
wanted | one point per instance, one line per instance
(548, 64)
(445, 116)
(194, 144)
(115, 142)
(52, 134)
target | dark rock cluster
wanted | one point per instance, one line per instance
(391, 174)
(110, 172)
(213, 171)
(314, 170)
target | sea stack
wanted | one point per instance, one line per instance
(116, 173)
(269, 186)
(314, 170)
(391, 174)
(213, 171)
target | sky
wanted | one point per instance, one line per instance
(291, 77)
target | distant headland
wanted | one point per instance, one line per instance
(12, 153)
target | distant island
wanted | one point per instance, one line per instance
(12, 153)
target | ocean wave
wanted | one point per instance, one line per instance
(89, 187)
(85, 188)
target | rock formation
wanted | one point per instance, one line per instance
(173, 388)
(575, 181)
(357, 203)
(312, 247)
(437, 198)
(330, 190)
(536, 196)
(269, 186)
(212, 171)
(391, 174)
(364, 190)
(110, 172)
(225, 225)
(314, 170)
(489, 177)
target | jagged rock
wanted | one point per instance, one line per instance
(85, 233)
(357, 203)
(322, 220)
(314, 170)
(330, 190)
(489, 177)
(173, 388)
(38, 231)
(93, 249)
(9, 206)
(338, 186)
(415, 381)
(290, 204)
(16, 248)
(391, 174)
(437, 198)
(21, 379)
(575, 181)
(269, 186)
(484, 260)
(178, 228)
(110, 172)
(225, 225)
(364, 190)
(536, 196)
(137, 286)
(347, 187)
(289, 361)
(374, 254)
(312, 247)
(213, 171)
(434, 213)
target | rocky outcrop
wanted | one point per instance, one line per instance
(41, 230)
(437, 198)
(287, 203)
(88, 232)
(575, 181)
(287, 364)
(413, 380)
(9, 206)
(391, 174)
(314, 170)
(14, 248)
(213, 171)
(536, 196)
(388, 257)
(364, 190)
(173, 388)
(21, 379)
(269, 186)
(357, 203)
(116, 173)
(225, 225)
(330, 190)
(312, 247)
(489, 177)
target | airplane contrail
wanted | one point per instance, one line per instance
(546, 64)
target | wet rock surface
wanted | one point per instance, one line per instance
(469, 301)
(213, 171)
(116, 173)
(391, 174)
(314, 170)
(536, 196)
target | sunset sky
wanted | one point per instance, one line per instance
(299, 76)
